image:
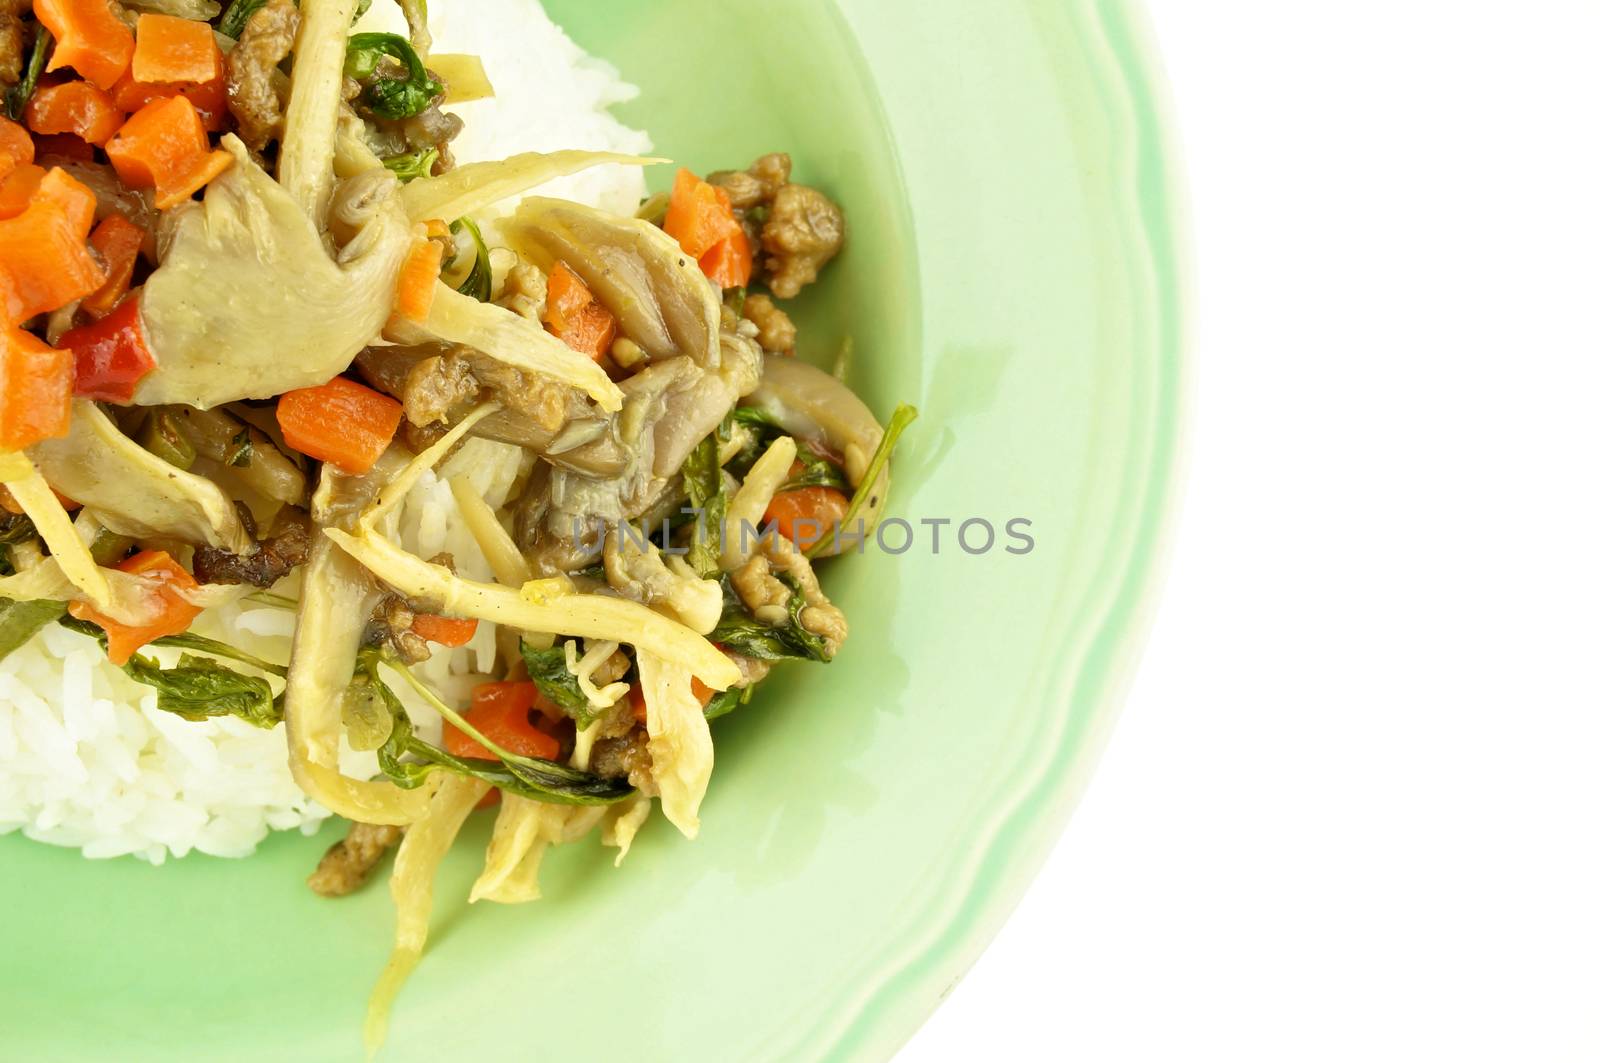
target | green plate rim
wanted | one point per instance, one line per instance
(878, 1015)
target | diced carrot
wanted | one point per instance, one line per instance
(118, 240)
(522, 693)
(445, 630)
(90, 38)
(164, 147)
(76, 200)
(16, 147)
(340, 422)
(110, 356)
(173, 618)
(699, 214)
(806, 515)
(17, 190)
(210, 98)
(64, 146)
(436, 229)
(35, 390)
(573, 315)
(508, 722)
(729, 263)
(168, 48)
(75, 107)
(413, 293)
(44, 260)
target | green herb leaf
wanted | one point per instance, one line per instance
(725, 701)
(817, 472)
(385, 97)
(199, 688)
(479, 282)
(539, 780)
(548, 670)
(237, 17)
(14, 530)
(20, 621)
(898, 423)
(18, 95)
(239, 450)
(702, 478)
(789, 641)
(412, 164)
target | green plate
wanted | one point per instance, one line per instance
(1011, 270)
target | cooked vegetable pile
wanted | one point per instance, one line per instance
(249, 304)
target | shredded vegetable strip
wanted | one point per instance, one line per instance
(622, 825)
(333, 610)
(470, 188)
(516, 830)
(505, 560)
(508, 337)
(423, 849)
(50, 519)
(754, 496)
(584, 615)
(391, 494)
(305, 161)
(681, 754)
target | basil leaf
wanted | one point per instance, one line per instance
(184, 641)
(538, 780)
(20, 621)
(479, 282)
(237, 17)
(199, 688)
(412, 164)
(816, 471)
(702, 478)
(17, 96)
(390, 97)
(239, 450)
(548, 670)
(13, 530)
(725, 701)
(743, 633)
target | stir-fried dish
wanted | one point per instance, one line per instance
(251, 300)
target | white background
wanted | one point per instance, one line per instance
(1350, 810)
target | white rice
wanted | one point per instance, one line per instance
(86, 759)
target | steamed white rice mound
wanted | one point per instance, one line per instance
(86, 759)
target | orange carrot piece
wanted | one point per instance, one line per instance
(17, 190)
(44, 260)
(90, 38)
(75, 107)
(118, 240)
(164, 147)
(340, 422)
(806, 515)
(729, 263)
(16, 147)
(210, 98)
(573, 316)
(699, 214)
(445, 630)
(75, 199)
(413, 294)
(436, 229)
(505, 721)
(35, 390)
(168, 49)
(173, 618)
